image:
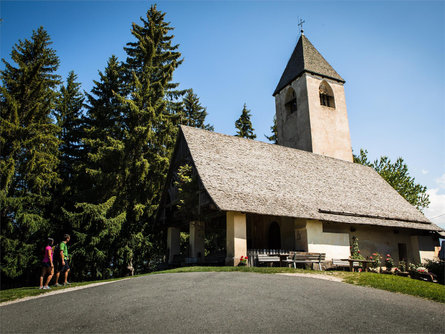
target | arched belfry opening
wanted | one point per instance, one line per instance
(326, 95)
(274, 236)
(291, 101)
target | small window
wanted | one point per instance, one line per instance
(326, 95)
(291, 101)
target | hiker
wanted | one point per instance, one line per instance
(47, 265)
(63, 266)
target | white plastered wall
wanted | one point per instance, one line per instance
(335, 245)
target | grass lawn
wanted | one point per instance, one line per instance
(399, 284)
(391, 283)
(12, 294)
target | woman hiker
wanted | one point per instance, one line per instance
(47, 264)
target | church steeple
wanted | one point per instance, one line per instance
(310, 105)
(306, 58)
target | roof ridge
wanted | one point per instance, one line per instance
(273, 145)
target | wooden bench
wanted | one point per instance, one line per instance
(337, 263)
(304, 257)
(269, 259)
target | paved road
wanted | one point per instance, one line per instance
(225, 303)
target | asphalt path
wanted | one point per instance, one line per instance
(224, 303)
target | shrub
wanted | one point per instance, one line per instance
(437, 268)
(389, 262)
(402, 266)
(355, 251)
(377, 258)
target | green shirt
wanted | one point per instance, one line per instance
(64, 248)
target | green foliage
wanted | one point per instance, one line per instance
(68, 113)
(397, 175)
(377, 258)
(274, 137)
(184, 244)
(389, 262)
(437, 268)
(95, 229)
(103, 137)
(94, 170)
(402, 266)
(355, 251)
(193, 113)
(28, 145)
(188, 192)
(244, 125)
(149, 131)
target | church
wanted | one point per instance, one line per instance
(302, 194)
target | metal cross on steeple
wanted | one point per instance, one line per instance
(301, 25)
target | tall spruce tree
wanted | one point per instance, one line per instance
(244, 125)
(68, 114)
(149, 132)
(274, 137)
(104, 135)
(28, 146)
(193, 113)
(96, 221)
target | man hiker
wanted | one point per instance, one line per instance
(63, 266)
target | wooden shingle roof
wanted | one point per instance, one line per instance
(254, 177)
(306, 58)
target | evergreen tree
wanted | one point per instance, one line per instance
(104, 134)
(194, 114)
(95, 220)
(149, 132)
(397, 175)
(28, 145)
(244, 125)
(274, 137)
(95, 230)
(68, 114)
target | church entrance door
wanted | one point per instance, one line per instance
(274, 236)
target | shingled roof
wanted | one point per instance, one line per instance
(306, 58)
(254, 177)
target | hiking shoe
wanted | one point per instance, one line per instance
(46, 287)
(57, 284)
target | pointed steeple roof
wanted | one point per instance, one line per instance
(306, 58)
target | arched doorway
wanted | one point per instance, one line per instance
(274, 236)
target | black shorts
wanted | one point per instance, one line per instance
(46, 264)
(64, 268)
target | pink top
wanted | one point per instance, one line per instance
(47, 250)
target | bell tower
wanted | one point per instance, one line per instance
(310, 105)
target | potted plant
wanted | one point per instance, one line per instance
(377, 264)
(401, 270)
(243, 261)
(389, 264)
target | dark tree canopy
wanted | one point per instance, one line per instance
(244, 125)
(397, 175)
(28, 145)
(90, 164)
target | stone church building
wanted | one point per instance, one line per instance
(304, 194)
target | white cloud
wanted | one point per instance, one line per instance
(441, 181)
(436, 210)
(424, 171)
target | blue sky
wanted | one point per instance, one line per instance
(391, 54)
